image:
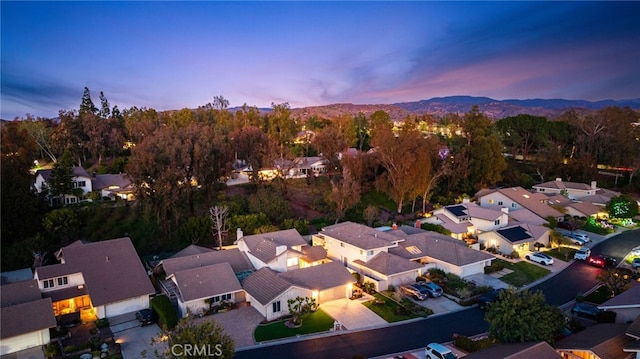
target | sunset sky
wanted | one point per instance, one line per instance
(171, 55)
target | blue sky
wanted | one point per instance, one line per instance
(171, 55)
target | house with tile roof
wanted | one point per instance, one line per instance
(626, 305)
(25, 317)
(268, 291)
(600, 341)
(280, 250)
(520, 237)
(90, 278)
(516, 199)
(81, 179)
(467, 219)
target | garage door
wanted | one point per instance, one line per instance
(21, 342)
(126, 306)
(332, 294)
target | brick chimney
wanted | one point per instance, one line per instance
(394, 226)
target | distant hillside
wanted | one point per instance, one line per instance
(440, 106)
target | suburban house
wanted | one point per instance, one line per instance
(281, 250)
(585, 209)
(26, 317)
(397, 256)
(467, 219)
(81, 179)
(537, 350)
(573, 190)
(114, 185)
(301, 167)
(102, 279)
(518, 199)
(520, 237)
(199, 277)
(626, 304)
(268, 291)
(600, 341)
(633, 331)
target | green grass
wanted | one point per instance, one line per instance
(315, 322)
(388, 309)
(523, 273)
(599, 296)
(562, 253)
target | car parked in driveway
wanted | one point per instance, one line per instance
(582, 254)
(602, 261)
(578, 241)
(581, 236)
(415, 291)
(540, 258)
(585, 310)
(635, 264)
(432, 289)
(438, 351)
(144, 316)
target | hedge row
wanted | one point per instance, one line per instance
(167, 315)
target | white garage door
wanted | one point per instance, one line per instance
(332, 294)
(21, 342)
(126, 306)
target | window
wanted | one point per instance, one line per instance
(370, 252)
(500, 203)
(341, 244)
(490, 201)
(361, 251)
(292, 262)
(513, 205)
(63, 281)
(79, 184)
(48, 283)
(275, 306)
(226, 296)
(497, 222)
(216, 299)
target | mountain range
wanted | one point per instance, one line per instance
(492, 108)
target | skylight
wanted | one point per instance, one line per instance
(413, 250)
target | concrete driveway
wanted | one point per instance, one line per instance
(352, 314)
(239, 323)
(136, 339)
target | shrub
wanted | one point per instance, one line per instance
(515, 255)
(470, 345)
(167, 315)
(357, 277)
(435, 228)
(391, 288)
(69, 349)
(606, 316)
(420, 279)
(102, 323)
(494, 267)
(51, 350)
(492, 250)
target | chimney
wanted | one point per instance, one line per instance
(239, 233)
(418, 223)
(594, 184)
(558, 179)
(394, 226)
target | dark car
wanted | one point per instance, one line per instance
(144, 316)
(602, 261)
(585, 310)
(486, 299)
(568, 225)
(432, 289)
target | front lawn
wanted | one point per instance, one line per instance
(562, 253)
(315, 322)
(388, 310)
(523, 273)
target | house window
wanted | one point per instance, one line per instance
(292, 262)
(370, 252)
(63, 281)
(275, 306)
(490, 201)
(500, 203)
(341, 244)
(48, 283)
(79, 184)
(216, 299)
(513, 205)
(226, 296)
(497, 222)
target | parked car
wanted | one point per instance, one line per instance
(585, 310)
(575, 240)
(415, 291)
(581, 236)
(432, 289)
(582, 254)
(488, 298)
(540, 258)
(635, 251)
(438, 351)
(635, 264)
(568, 225)
(602, 261)
(144, 316)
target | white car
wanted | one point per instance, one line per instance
(575, 240)
(582, 254)
(636, 251)
(540, 258)
(581, 236)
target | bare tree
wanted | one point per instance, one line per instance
(219, 216)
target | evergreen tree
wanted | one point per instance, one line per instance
(104, 106)
(87, 106)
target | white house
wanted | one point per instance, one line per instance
(573, 190)
(25, 317)
(519, 237)
(104, 278)
(516, 199)
(81, 179)
(468, 219)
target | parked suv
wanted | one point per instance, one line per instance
(582, 254)
(585, 310)
(415, 291)
(432, 289)
(438, 351)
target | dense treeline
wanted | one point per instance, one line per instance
(179, 161)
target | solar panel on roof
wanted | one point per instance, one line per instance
(458, 211)
(514, 234)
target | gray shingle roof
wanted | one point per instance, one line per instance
(606, 340)
(26, 318)
(206, 282)
(19, 292)
(192, 250)
(320, 277)
(440, 247)
(238, 261)
(389, 264)
(263, 246)
(634, 329)
(628, 298)
(360, 236)
(120, 180)
(314, 253)
(264, 285)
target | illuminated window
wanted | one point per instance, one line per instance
(413, 250)
(490, 201)
(292, 261)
